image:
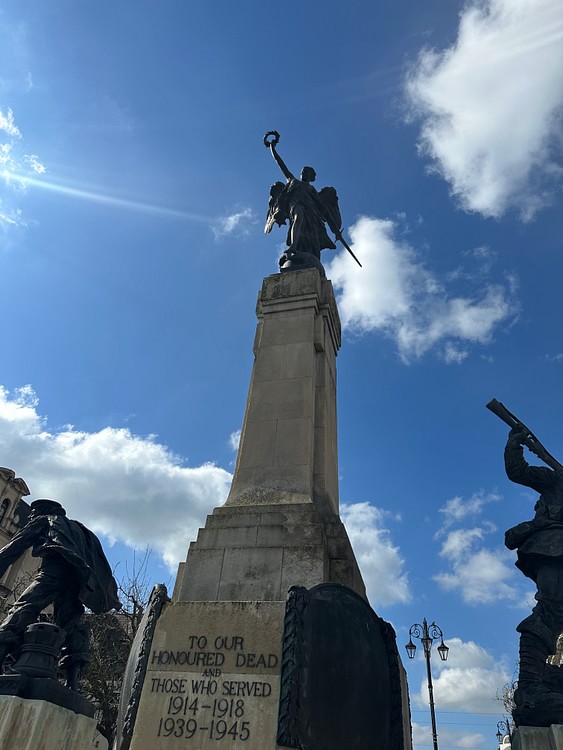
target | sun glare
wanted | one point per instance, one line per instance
(100, 197)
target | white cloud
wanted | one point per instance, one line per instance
(234, 440)
(454, 355)
(459, 542)
(422, 737)
(481, 575)
(237, 223)
(491, 103)
(16, 168)
(395, 293)
(379, 559)
(482, 578)
(469, 681)
(34, 163)
(8, 125)
(128, 487)
(6, 159)
(458, 509)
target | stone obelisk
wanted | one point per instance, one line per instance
(233, 661)
(280, 525)
(215, 659)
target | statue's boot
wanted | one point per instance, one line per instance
(73, 672)
(73, 665)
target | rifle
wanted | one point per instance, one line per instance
(530, 441)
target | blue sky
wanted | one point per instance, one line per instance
(133, 191)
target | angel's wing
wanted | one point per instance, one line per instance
(329, 199)
(277, 212)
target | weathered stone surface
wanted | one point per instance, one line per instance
(260, 437)
(233, 536)
(288, 451)
(290, 398)
(301, 565)
(557, 735)
(213, 676)
(251, 574)
(257, 554)
(538, 738)
(27, 724)
(293, 327)
(202, 583)
(294, 442)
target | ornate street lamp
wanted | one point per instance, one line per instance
(504, 727)
(427, 634)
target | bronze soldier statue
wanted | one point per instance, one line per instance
(539, 545)
(74, 572)
(307, 212)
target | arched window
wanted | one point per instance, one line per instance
(4, 509)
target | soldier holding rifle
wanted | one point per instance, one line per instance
(539, 545)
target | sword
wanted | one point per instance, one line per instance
(339, 236)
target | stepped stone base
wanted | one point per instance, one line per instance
(257, 553)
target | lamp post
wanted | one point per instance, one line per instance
(427, 634)
(504, 727)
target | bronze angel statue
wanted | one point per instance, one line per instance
(307, 211)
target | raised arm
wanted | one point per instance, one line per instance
(271, 144)
(517, 468)
(281, 164)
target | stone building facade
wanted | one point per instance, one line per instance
(14, 511)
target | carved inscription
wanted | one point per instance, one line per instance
(207, 691)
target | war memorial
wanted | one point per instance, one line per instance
(267, 640)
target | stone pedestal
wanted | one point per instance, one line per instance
(257, 553)
(28, 723)
(280, 525)
(36, 711)
(538, 738)
(212, 677)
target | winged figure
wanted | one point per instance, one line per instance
(306, 209)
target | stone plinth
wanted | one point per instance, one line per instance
(28, 724)
(538, 738)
